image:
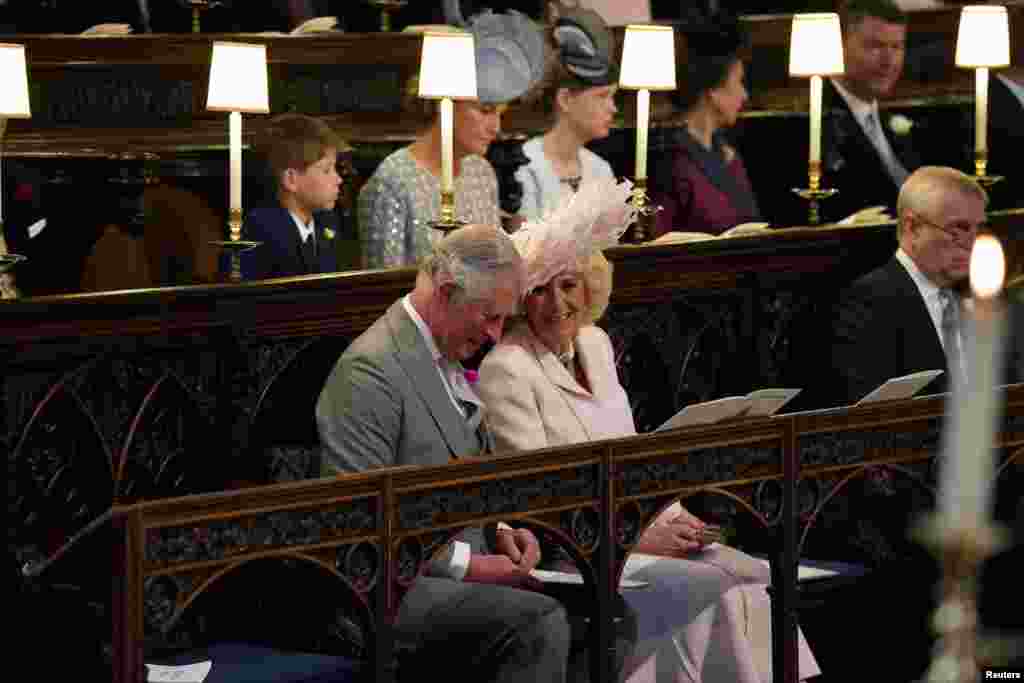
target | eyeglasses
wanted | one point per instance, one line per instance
(960, 235)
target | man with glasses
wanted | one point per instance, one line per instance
(904, 316)
(901, 318)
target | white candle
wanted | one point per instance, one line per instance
(643, 113)
(447, 138)
(235, 157)
(815, 144)
(980, 110)
(968, 455)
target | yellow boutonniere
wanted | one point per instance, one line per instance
(328, 234)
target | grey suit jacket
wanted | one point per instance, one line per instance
(385, 404)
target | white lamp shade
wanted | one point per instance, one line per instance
(816, 45)
(14, 76)
(238, 78)
(448, 66)
(984, 36)
(648, 58)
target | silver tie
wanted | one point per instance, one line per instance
(951, 331)
(881, 143)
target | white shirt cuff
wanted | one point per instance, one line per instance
(459, 564)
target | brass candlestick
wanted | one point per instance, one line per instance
(235, 245)
(961, 553)
(980, 168)
(447, 221)
(645, 212)
(386, 7)
(9, 261)
(8, 290)
(814, 193)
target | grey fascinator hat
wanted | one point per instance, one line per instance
(509, 52)
(586, 48)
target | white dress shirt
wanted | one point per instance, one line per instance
(305, 229)
(863, 111)
(455, 383)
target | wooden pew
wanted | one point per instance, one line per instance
(102, 96)
(120, 135)
(374, 532)
(113, 398)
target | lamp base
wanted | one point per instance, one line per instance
(386, 7)
(447, 224)
(987, 181)
(235, 248)
(9, 261)
(814, 195)
(641, 231)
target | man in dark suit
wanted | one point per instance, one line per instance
(866, 155)
(399, 396)
(297, 233)
(904, 316)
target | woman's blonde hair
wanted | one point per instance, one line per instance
(597, 280)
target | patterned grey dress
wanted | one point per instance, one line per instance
(401, 198)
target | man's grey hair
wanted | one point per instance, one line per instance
(922, 192)
(473, 258)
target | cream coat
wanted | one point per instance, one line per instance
(533, 401)
(704, 618)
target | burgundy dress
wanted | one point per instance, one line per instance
(697, 189)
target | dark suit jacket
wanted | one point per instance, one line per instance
(851, 164)
(881, 329)
(281, 254)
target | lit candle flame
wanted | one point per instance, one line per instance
(988, 267)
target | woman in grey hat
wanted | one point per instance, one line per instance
(398, 203)
(580, 93)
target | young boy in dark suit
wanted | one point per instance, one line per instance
(297, 232)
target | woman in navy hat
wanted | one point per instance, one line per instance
(402, 198)
(580, 93)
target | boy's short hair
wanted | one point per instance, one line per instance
(296, 141)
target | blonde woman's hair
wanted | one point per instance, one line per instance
(597, 278)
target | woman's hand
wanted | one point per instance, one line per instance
(672, 539)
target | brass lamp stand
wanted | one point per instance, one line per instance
(386, 7)
(980, 168)
(982, 44)
(814, 193)
(645, 212)
(447, 221)
(235, 245)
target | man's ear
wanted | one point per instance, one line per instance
(562, 96)
(287, 179)
(909, 226)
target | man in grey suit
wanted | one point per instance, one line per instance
(399, 396)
